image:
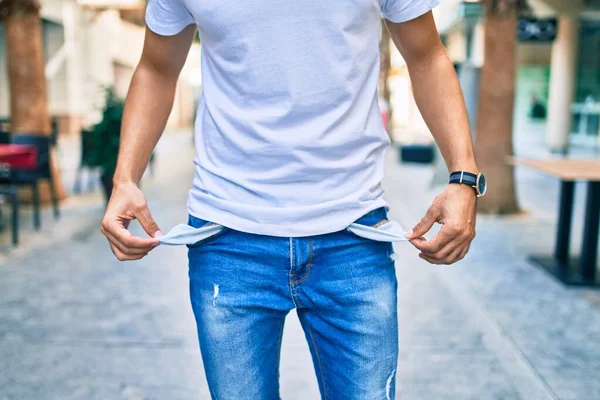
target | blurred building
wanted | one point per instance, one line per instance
(558, 76)
(89, 44)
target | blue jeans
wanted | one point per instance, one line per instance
(343, 286)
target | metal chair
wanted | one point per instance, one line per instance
(4, 137)
(32, 177)
(10, 193)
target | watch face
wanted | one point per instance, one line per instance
(481, 184)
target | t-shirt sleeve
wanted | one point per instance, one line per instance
(167, 17)
(405, 10)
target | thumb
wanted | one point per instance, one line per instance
(147, 221)
(423, 226)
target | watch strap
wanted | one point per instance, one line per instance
(467, 178)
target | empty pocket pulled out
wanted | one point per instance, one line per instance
(385, 231)
(183, 234)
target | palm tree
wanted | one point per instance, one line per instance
(28, 100)
(25, 55)
(494, 127)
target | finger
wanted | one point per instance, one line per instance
(418, 241)
(449, 232)
(448, 249)
(451, 259)
(465, 251)
(455, 250)
(454, 256)
(430, 260)
(112, 238)
(424, 225)
(442, 257)
(130, 258)
(435, 244)
(129, 251)
(145, 218)
(125, 237)
(125, 257)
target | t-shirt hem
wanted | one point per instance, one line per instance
(416, 11)
(310, 227)
(166, 30)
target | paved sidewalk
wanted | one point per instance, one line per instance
(77, 324)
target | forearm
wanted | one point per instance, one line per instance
(440, 100)
(441, 103)
(436, 89)
(147, 109)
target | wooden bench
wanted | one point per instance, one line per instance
(584, 270)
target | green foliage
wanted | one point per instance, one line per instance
(101, 143)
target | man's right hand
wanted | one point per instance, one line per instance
(127, 203)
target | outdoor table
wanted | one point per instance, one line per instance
(15, 157)
(584, 270)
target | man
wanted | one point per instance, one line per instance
(290, 151)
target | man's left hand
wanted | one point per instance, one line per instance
(455, 210)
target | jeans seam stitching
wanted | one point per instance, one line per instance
(291, 283)
(308, 263)
(279, 344)
(314, 342)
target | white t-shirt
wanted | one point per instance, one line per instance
(289, 136)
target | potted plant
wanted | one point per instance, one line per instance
(102, 141)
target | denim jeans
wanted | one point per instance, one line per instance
(343, 287)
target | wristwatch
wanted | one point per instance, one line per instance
(476, 181)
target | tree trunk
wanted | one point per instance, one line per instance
(494, 128)
(28, 99)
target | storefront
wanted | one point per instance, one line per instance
(558, 86)
(557, 97)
